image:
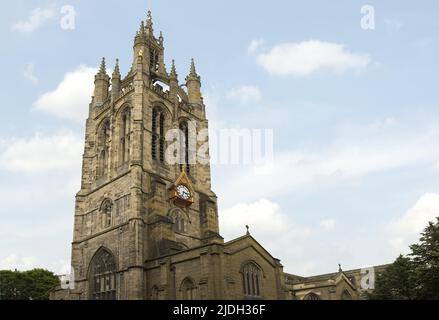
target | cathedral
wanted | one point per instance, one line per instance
(145, 229)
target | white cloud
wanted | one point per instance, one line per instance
(41, 153)
(37, 211)
(305, 58)
(264, 218)
(245, 95)
(355, 154)
(406, 229)
(29, 74)
(36, 19)
(70, 100)
(255, 45)
(273, 229)
(13, 261)
(328, 224)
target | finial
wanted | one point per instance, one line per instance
(173, 70)
(248, 230)
(193, 74)
(193, 70)
(103, 68)
(116, 69)
(142, 27)
(339, 268)
(149, 23)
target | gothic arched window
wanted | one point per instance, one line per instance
(180, 222)
(106, 210)
(311, 296)
(251, 279)
(103, 149)
(158, 135)
(125, 137)
(184, 147)
(188, 290)
(102, 276)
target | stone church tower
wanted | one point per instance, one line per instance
(125, 210)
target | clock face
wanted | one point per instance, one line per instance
(183, 192)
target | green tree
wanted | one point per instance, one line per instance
(28, 285)
(425, 256)
(396, 282)
(415, 276)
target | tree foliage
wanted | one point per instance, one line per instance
(425, 257)
(415, 276)
(396, 283)
(27, 285)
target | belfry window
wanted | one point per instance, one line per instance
(103, 149)
(158, 135)
(125, 137)
(184, 147)
(251, 279)
(102, 276)
(154, 60)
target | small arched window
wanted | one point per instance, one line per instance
(251, 279)
(188, 290)
(184, 147)
(102, 276)
(103, 149)
(180, 222)
(311, 296)
(125, 137)
(158, 135)
(107, 211)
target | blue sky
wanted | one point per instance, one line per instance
(354, 114)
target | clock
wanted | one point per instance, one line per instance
(183, 192)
